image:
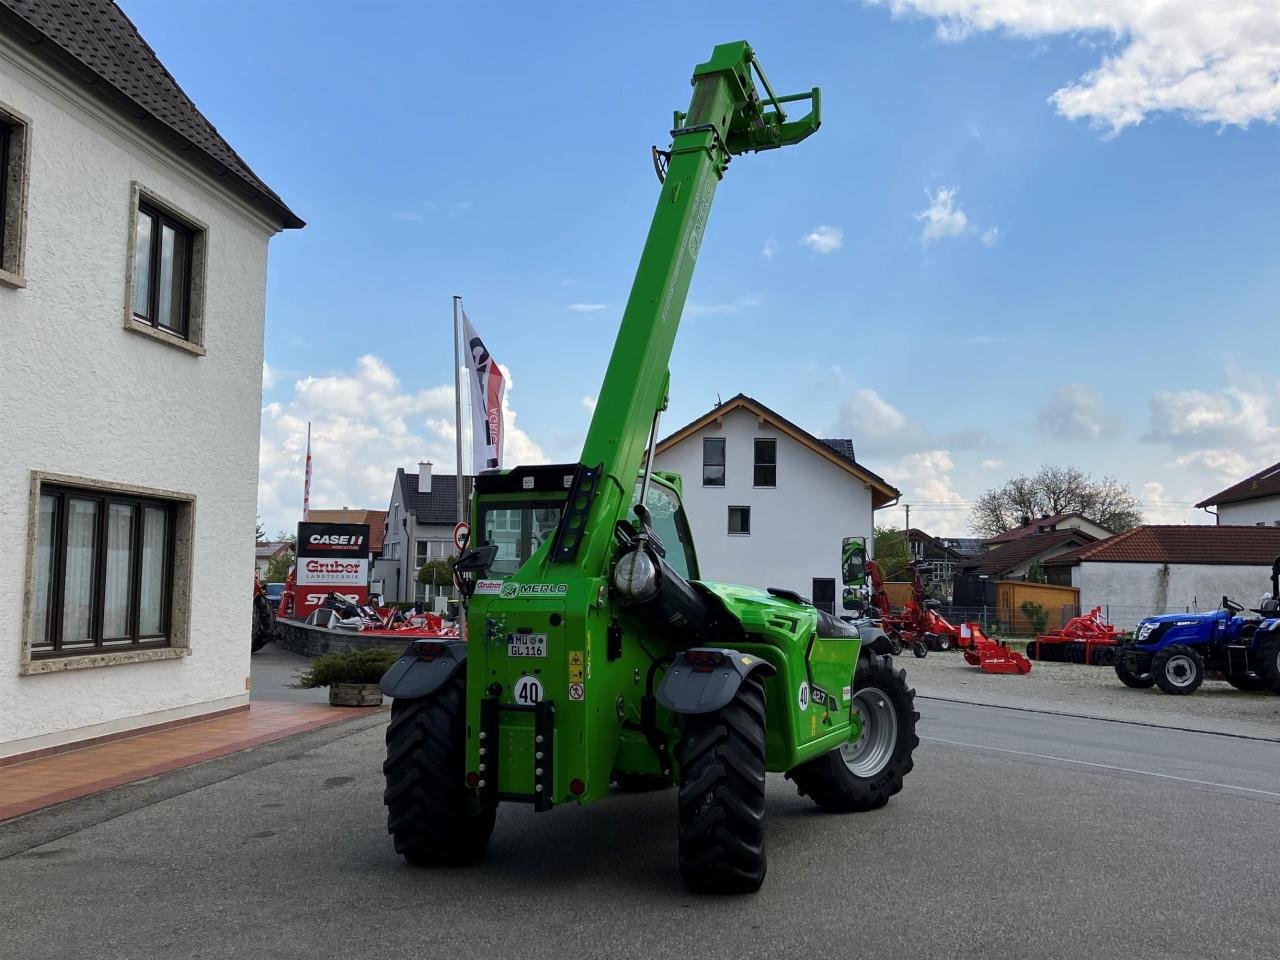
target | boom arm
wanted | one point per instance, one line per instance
(726, 117)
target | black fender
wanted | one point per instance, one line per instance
(874, 638)
(423, 668)
(687, 688)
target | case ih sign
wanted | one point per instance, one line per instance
(332, 557)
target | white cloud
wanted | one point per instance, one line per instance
(363, 426)
(824, 239)
(990, 236)
(1212, 62)
(1076, 412)
(1158, 507)
(878, 428)
(992, 464)
(770, 248)
(588, 307)
(728, 308)
(1232, 417)
(942, 218)
(268, 378)
(925, 481)
(589, 404)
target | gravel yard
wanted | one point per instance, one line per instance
(1096, 692)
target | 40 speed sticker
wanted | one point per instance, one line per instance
(802, 697)
(528, 691)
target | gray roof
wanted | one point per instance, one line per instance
(93, 41)
(842, 447)
(440, 506)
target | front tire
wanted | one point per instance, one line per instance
(920, 650)
(864, 774)
(1269, 661)
(1248, 682)
(432, 817)
(943, 641)
(1139, 681)
(895, 644)
(721, 799)
(1178, 670)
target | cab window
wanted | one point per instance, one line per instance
(667, 517)
(518, 529)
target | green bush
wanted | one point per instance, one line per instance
(356, 666)
(1036, 615)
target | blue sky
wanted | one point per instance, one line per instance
(1079, 294)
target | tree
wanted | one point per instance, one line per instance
(1052, 490)
(438, 572)
(891, 553)
(1036, 572)
(278, 567)
(260, 532)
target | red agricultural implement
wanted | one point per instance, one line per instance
(921, 628)
(1084, 639)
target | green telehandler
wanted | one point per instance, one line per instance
(594, 653)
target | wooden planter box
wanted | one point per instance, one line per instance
(355, 695)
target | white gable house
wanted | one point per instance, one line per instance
(769, 504)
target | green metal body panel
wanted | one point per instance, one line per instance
(597, 692)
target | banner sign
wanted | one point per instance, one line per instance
(332, 557)
(487, 386)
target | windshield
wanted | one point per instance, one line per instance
(518, 529)
(667, 517)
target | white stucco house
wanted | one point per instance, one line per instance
(421, 515)
(1169, 569)
(132, 305)
(1254, 500)
(768, 503)
(1033, 526)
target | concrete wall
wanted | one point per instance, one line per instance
(1130, 591)
(83, 396)
(1265, 511)
(796, 527)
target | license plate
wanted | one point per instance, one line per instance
(526, 645)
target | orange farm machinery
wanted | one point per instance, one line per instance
(920, 628)
(1084, 639)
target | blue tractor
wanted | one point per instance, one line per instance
(1175, 652)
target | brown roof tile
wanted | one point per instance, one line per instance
(93, 41)
(1001, 560)
(1218, 545)
(1264, 483)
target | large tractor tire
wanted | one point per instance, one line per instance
(264, 624)
(1139, 681)
(721, 800)
(432, 817)
(1178, 670)
(863, 774)
(1269, 661)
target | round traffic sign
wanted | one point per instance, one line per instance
(461, 535)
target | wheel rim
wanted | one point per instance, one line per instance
(1180, 671)
(872, 751)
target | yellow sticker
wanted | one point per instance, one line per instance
(813, 725)
(746, 661)
(575, 674)
(575, 658)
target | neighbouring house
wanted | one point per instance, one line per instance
(1010, 561)
(1031, 526)
(938, 562)
(265, 553)
(770, 503)
(420, 520)
(1170, 569)
(133, 266)
(966, 547)
(1254, 500)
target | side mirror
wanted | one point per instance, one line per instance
(478, 560)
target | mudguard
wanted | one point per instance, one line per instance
(688, 689)
(423, 669)
(874, 638)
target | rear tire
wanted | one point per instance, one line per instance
(1269, 660)
(1178, 670)
(721, 801)
(1139, 681)
(432, 817)
(864, 774)
(920, 650)
(943, 641)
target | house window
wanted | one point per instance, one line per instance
(740, 520)
(766, 466)
(713, 461)
(166, 273)
(162, 270)
(13, 177)
(104, 566)
(432, 550)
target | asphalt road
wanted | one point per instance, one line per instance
(1018, 835)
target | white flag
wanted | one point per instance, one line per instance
(487, 385)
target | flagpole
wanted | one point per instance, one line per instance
(306, 480)
(457, 398)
